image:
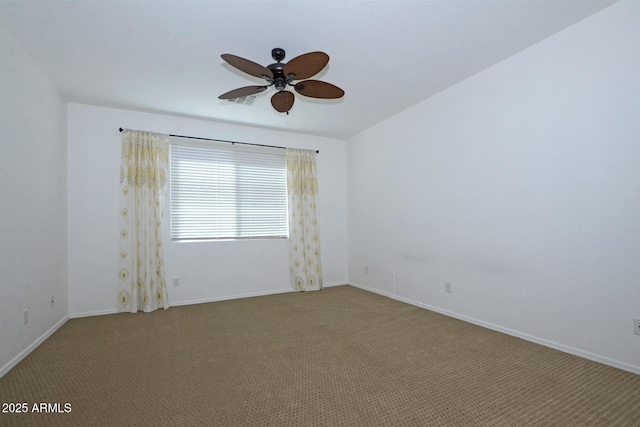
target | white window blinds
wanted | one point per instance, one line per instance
(225, 191)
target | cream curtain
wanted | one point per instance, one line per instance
(143, 187)
(304, 235)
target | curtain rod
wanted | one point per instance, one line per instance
(229, 142)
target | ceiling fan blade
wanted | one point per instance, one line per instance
(282, 101)
(247, 66)
(243, 91)
(307, 65)
(318, 89)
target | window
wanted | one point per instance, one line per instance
(225, 191)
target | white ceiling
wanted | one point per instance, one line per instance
(164, 56)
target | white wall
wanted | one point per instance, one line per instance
(207, 271)
(521, 187)
(33, 261)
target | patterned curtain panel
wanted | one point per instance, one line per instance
(304, 235)
(143, 188)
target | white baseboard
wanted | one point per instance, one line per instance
(248, 295)
(24, 353)
(204, 300)
(92, 313)
(330, 285)
(531, 338)
(229, 297)
(13, 362)
(185, 302)
(561, 347)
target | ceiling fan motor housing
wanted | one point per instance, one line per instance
(279, 79)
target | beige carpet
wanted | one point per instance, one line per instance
(339, 357)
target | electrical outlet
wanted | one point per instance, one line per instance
(26, 316)
(176, 283)
(636, 325)
(447, 287)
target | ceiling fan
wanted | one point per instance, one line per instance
(281, 75)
